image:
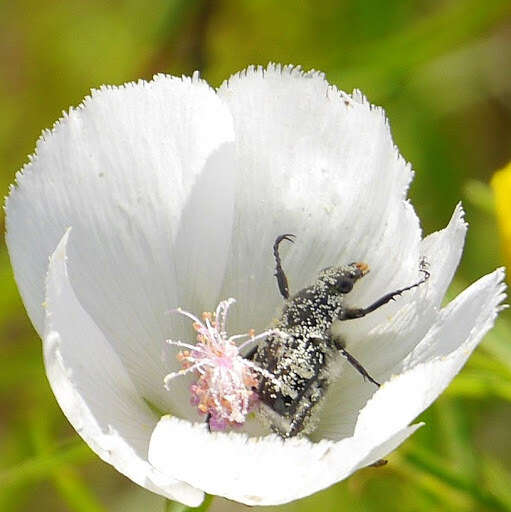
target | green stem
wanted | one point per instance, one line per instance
(172, 506)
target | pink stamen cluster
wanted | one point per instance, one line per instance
(226, 383)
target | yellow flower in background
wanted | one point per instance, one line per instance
(501, 184)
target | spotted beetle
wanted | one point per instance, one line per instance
(301, 350)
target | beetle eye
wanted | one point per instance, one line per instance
(344, 285)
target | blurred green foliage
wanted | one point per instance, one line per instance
(440, 69)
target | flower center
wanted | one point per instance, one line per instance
(225, 388)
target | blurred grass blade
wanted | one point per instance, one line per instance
(439, 494)
(496, 342)
(75, 493)
(379, 63)
(64, 477)
(480, 195)
(476, 384)
(457, 437)
(437, 467)
(498, 478)
(41, 466)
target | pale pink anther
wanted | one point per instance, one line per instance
(226, 383)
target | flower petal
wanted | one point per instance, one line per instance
(258, 471)
(321, 164)
(436, 360)
(442, 251)
(389, 445)
(124, 169)
(381, 347)
(463, 319)
(94, 390)
(387, 342)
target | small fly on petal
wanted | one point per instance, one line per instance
(226, 383)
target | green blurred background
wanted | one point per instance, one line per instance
(442, 71)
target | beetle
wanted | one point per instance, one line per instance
(301, 350)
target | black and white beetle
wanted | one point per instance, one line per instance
(301, 351)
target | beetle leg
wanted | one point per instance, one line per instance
(279, 272)
(360, 369)
(350, 313)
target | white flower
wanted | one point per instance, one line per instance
(174, 194)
